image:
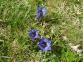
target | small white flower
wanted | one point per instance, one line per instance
(79, 52)
(74, 48)
(65, 38)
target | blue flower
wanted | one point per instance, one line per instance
(44, 44)
(34, 34)
(41, 12)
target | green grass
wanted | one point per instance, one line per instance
(17, 17)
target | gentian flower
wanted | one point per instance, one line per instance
(34, 34)
(41, 12)
(44, 44)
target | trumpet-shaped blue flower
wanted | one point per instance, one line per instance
(44, 44)
(41, 12)
(34, 34)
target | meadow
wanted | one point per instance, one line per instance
(63, 25)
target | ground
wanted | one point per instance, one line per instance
(63, 25)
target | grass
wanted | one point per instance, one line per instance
(62, 25)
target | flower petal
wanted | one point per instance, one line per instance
(48, 48)
(39, 15)
(44, 39)
(44, 44)
(34, 34)
(44, 11)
